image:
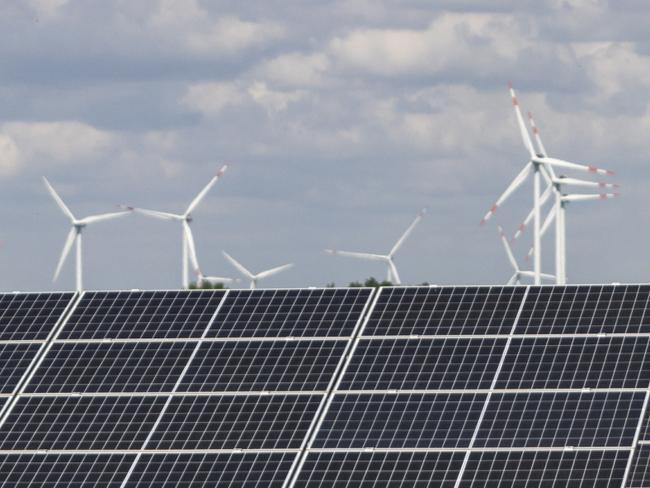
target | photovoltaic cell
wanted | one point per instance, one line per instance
(325, 312)
(63, 470)
(445, 311)
(111, 368)
(30, 316)
(400, 421)
(80, 423)
(640, 471)
(582, 362)
(423, 364)
(14, 360)
(529, 469)
(263, 366)
(380, 469)
(242, 470)
(142, 314)
(236, 422)
(586, 310)
(560, 420)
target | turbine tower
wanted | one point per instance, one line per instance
(188, 248)
(519, 273)
(538, 164)
(74, 236)
(255, 277)
(392, 274)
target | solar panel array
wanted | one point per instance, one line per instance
(406, 386)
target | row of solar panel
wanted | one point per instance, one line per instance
(353, 421)
(308, 365)
(582, 469)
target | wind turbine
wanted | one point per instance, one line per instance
(558, 214)
(519, 273)
(188, 248)
(255, 277)
(201, 278)
(537, 164)
(392, 274)
(74, 236)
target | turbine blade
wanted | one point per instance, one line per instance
(238, 265)
(58, 199)
(512, 280)
(593, 196)
(272, 271)
(407, 232)
(511, 256)
(547, 276)
(393, 270)
(542, 201)
(578, 167)
(563, 180)
(519, 179)
(538, 139)
(550, 217)
(93, 219)
(205, 190)
(361, 255)
(525, 136)
(158, 215)
(69, 241)
(217, 279)
(190, 244)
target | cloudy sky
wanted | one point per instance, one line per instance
(340, 120)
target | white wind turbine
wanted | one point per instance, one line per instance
(201, 278)
(558, 212)
(188, 249)
(519, 273)
(255, 277)
(74, 236)
(537, 164)
(392, 274)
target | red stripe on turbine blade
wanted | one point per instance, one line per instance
(494, 208)
(510, 85)
(593, 169)
(602, 184)
(603, 196)
(610, 173)
(514, 101)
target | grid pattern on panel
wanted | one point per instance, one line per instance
(530, 469)
(586, 309)
(445, 311)
(380, 469)
(110, 368)
(640, 470)
(63, 470)
(560, 419)
(577, 362)
(14, 361)
(423, 364)
(142, 314)
(79, 423)
(241, 470)
(385, 420)
(325, 312)
(263, 366)
(30, 316)
(236, 422)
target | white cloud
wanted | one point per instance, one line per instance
(212, 98)
(46, 8)
(296, 69)
(64, 142)
(273, 100)
(9, 156)
(231, 35)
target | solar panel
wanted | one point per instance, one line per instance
(405, 386)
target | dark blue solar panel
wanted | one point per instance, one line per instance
(403, 421)
(64, 470)
(577, 469)
(241, 470)
(591, 362)
(236, 422)
(80, 423)
(639, 476)
(264, 366)
(30, 316)
(560, 420)
(325, 312)
(586, 310)
(116, 367)
(445, 311)
(380, 469)
(14, 360)
(142, 314)
(423, 364)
